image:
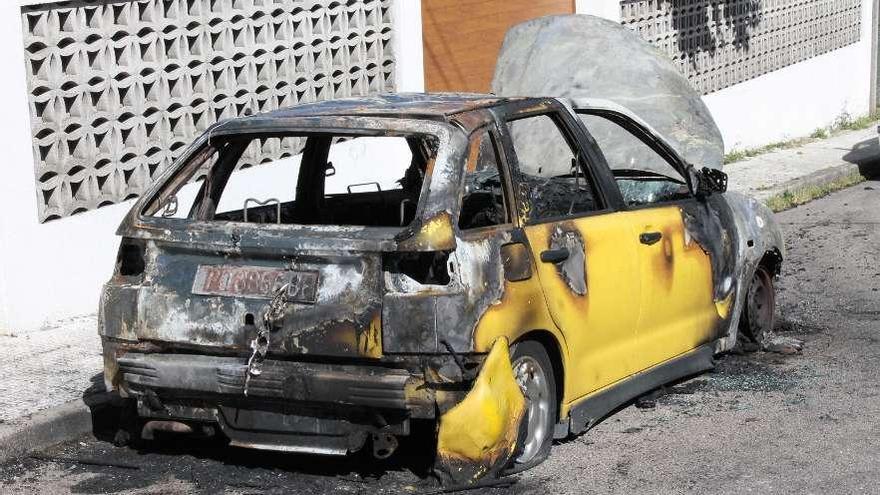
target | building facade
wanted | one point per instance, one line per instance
(101, 95)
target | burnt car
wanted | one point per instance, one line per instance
(476, 262)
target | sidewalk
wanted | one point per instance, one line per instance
(44, 369)
(817, 163)
(44, 375)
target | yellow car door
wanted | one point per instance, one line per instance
(677, 308)
(587, 258)
(589, 273)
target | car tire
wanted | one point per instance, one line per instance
(533, 371)
(759, 309)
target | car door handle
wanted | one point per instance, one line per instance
(650, 238)
(555, 255)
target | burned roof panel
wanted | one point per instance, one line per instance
(347, 113)
(440, 105)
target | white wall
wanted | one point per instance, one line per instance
(48, 271)
(409, 73)
(790, 102)
(55, 270)
(609, 9)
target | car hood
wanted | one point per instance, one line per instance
(580, 56)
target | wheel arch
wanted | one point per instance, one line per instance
(557, 359)
(772, 261)
(760, 243)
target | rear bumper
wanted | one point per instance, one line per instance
(318, 408)
(194, 376)
(330, 408)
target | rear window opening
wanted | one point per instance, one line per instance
(322, 179)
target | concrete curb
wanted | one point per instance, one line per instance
(49, 427)
(821, 178)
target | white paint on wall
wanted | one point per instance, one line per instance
(364, 161)
(368, 163)
(51, 271)
(608, 9)
(406, 16)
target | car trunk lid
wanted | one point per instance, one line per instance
(215, 298)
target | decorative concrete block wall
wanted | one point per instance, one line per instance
(117, 89)
(718, 44)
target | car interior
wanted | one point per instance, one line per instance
(365, 191)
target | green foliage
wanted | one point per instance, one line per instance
(820, 133)
(798, 196)
(857, 124)
(742, 154)
(842, 123)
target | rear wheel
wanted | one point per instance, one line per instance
(758, 316)
(534, 374)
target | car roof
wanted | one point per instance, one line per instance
(435, 106)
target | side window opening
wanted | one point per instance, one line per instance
(372, 181)
(180, 199)
(551, 176)
(483, 202)
(644, 176)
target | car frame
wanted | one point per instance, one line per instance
(533, 337)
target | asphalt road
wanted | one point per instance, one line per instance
(762, 423)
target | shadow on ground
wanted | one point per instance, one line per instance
(866, 155)
(212, 466)
(209, 465)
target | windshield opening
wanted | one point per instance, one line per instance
(314, 179)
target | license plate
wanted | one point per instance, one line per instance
(255, 282)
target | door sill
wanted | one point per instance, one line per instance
(587, 412)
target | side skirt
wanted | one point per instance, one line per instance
(590, 410)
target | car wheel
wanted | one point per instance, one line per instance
(534, 374)
(759, 312)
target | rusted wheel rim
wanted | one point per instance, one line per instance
(532, 380)
(762, 304)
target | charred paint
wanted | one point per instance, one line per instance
(468, 450)
(572, 269)
(370, 338)
(599, 324)
(435, 234)
(516, 261)
(520, 309)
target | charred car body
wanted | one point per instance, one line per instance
(476, 261)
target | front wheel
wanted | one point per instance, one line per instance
(534, 374)
(756, 323)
